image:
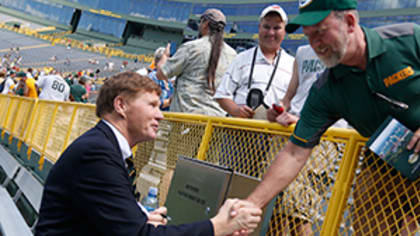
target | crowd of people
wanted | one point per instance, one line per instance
(336, 80)
(47, 83)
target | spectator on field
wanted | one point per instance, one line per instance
(258, 70)
(27, 85)
(199, 66)
(78, 90)
(165, 84)
(20, 87)
(88, 86)
(30, 73)
(109, 66)
(69, 79)
(9, 83)
(53, 87)
(2, 78)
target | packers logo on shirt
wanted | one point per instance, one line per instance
(397, 77)
(304, 3)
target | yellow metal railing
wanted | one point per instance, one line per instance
(342, 190)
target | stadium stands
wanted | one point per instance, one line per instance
(157, 22)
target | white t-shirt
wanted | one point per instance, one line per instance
(310, 67)
(234, 83)
(54, 87)
(9, 82)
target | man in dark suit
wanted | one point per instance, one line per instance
(88, 191)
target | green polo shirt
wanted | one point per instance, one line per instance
(393, 70)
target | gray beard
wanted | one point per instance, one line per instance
(331, 62)
(336, 57)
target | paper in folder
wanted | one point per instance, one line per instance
(390, 142)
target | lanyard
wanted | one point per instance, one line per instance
(272, 73)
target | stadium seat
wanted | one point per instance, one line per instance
(8, 166)
(11, 221)
(27, 196)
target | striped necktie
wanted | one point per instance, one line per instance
(131, 169)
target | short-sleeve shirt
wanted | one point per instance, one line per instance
(189, 64)
(393, 70)
(235, 82)
(54, 87)
(30, 84)
(8, 86)
(167, 89)
(77, 91)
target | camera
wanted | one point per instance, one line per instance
(254, 98)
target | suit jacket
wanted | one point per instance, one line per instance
(88, 192)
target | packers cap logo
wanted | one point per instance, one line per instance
(304, 3)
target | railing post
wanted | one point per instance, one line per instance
(28, 128)
(341, 189)
(73, 116)
(204, 146)
(6, 118)
(12, 127)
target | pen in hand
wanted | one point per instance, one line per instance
(168, 218)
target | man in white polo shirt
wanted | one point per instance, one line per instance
(265, 67)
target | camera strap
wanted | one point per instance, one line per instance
(272, 73)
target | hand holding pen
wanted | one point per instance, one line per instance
(158, 217)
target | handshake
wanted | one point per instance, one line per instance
(236, 217)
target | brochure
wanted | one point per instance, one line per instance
(389, 142)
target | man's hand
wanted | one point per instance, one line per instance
(243, 111)
(234, 212)
(245, 218)
(155, 217)
(272, 115)
(168, 49)
(286, 104)
(415, 142)
(284, 119)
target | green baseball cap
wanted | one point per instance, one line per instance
(21, 74)
(311, 12)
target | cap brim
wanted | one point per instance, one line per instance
(306, 19)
